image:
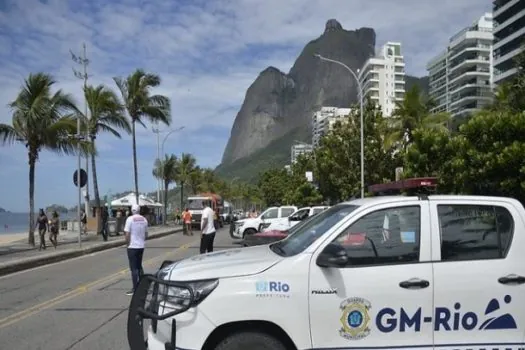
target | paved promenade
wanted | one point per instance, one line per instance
(81, 303)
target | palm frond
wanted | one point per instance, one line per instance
(8, 134)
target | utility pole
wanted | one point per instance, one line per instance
(156, 130)
(84, 62)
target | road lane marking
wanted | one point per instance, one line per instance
(82, 289)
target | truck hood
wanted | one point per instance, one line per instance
(224, 263)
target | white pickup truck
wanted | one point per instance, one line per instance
(284, 224)
(437, 272)
(250, 226)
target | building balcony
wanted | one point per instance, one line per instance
(472, 57)
(498, 27)
(467, 49)
(510, 55)
(510, 38)
(464, 100)
(501, 6)
(469, 85)
(483, 73)
(504, 76)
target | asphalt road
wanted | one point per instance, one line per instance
(81, 303)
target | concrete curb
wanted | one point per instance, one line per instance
(29, 263)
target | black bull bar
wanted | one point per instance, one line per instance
(149, 297)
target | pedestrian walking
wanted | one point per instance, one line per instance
(54, 227)
(42, 223)
(105, 218)
(207, 229)
(177, 217)
(83, 222)
(136, 231)
(186, 217)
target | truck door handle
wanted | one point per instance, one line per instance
(414, 283)
(512, 279)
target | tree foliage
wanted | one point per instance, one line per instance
(483, 157)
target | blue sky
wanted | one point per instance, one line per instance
(207, 52)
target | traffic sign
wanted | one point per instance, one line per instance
(83, 178)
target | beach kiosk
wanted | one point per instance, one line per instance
(120, 206)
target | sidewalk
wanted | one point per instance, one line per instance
(17, 255)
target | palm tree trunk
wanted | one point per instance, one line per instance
(165, 210)
(135, 171)
(32, 161)
(181, 195)
(95, 187)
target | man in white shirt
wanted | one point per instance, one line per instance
(136, 231)
(207, 229)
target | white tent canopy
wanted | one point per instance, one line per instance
(130, 199)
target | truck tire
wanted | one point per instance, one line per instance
(248, 231)
(251, 340)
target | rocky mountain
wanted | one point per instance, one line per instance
(2, 210)
(278, 107)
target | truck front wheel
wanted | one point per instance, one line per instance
(250, 340)
(249, 231)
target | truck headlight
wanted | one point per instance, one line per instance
(173, 297)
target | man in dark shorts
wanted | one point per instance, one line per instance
(177, 217)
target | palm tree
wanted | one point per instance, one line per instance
(167, 171)
(185, 167)
(106, 115)
(195, 180)
(140, 104)
(42, 120)
(410, 114)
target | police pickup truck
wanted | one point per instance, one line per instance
(437, 272)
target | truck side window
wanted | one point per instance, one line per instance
(388, 236)
(286, 212)
(474, 232)
(271, 214)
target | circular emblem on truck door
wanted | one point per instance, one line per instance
(355, 319)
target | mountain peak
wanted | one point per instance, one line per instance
(332, 25)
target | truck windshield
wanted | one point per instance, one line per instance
(308, 232)
(196, 204)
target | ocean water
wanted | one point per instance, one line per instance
(19, 222)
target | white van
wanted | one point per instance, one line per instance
(250, 226)
(438, 272)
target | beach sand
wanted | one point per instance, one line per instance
(8, 238)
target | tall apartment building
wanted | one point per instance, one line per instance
(460, 77)
(324, 119)
(383, 77)
(299, 149)
(509, 36)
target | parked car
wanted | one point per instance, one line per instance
(284, 224)
(270, 236)
(250, 226)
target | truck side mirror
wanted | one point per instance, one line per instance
(333, 255)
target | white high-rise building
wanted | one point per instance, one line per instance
(460, 77)
(323, 121)
(509, 35)
(383, 77)
(299, 149)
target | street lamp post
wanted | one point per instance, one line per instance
(157, 131)
(160, 150)
(360, 87)
(84, 62)
(167, 135)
